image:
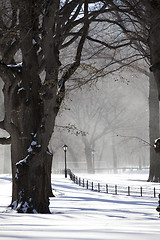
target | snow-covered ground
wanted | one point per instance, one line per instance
(78, 213)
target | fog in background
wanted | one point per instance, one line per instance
(101, 123)
(113, 113)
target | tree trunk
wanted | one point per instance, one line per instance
(75, 158)
(154, 40)
(32, 181)
(34, 109)
(89, 157)
(114, 155)
(31, 187)
(31, 103)
(154, 173)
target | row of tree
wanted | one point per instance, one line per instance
(113, 114)
(34, 38)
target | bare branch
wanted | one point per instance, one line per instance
(10, 52)
(128, 42)
(134, 137)
(5, 141)
(2, 124)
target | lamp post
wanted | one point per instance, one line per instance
(93, 152)
(65, 159)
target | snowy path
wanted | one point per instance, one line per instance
(78, 214)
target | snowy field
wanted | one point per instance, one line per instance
(78, 213)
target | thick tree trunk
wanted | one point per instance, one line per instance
(31, 186)
(32, 180)
(33, 114)
(154, 40)
(31, 103)
(154, 173)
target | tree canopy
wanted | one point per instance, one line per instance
(35, 38)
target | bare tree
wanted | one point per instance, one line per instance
(103, 112)
(37, 32)
(33, 36)
(138, 20)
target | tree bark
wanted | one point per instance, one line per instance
(154, 39)
(154, 172)
(32, 180)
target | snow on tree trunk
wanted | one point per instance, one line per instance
(31, 173)
(33, 180)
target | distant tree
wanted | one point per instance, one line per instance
(102, 111)
(138, 20)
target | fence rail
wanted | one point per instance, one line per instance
(115, 189)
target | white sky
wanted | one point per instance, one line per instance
(79, 214)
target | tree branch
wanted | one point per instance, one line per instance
(134, 137)
(5, 141)
(108, 45)
(10, 52)
(2, 125)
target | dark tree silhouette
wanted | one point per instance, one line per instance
(33, 38)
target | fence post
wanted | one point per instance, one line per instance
(154, 192)
(128, 191)
(106, 188)
(98, 187)
(116, 189)
(92, 186)
(83, 182)
(70, 174)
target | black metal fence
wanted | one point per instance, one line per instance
(115, 189)
(101, 170)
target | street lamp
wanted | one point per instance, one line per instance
(93, 152)
(65, 160)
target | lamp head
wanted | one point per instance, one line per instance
(65, 147)
(93, 152)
